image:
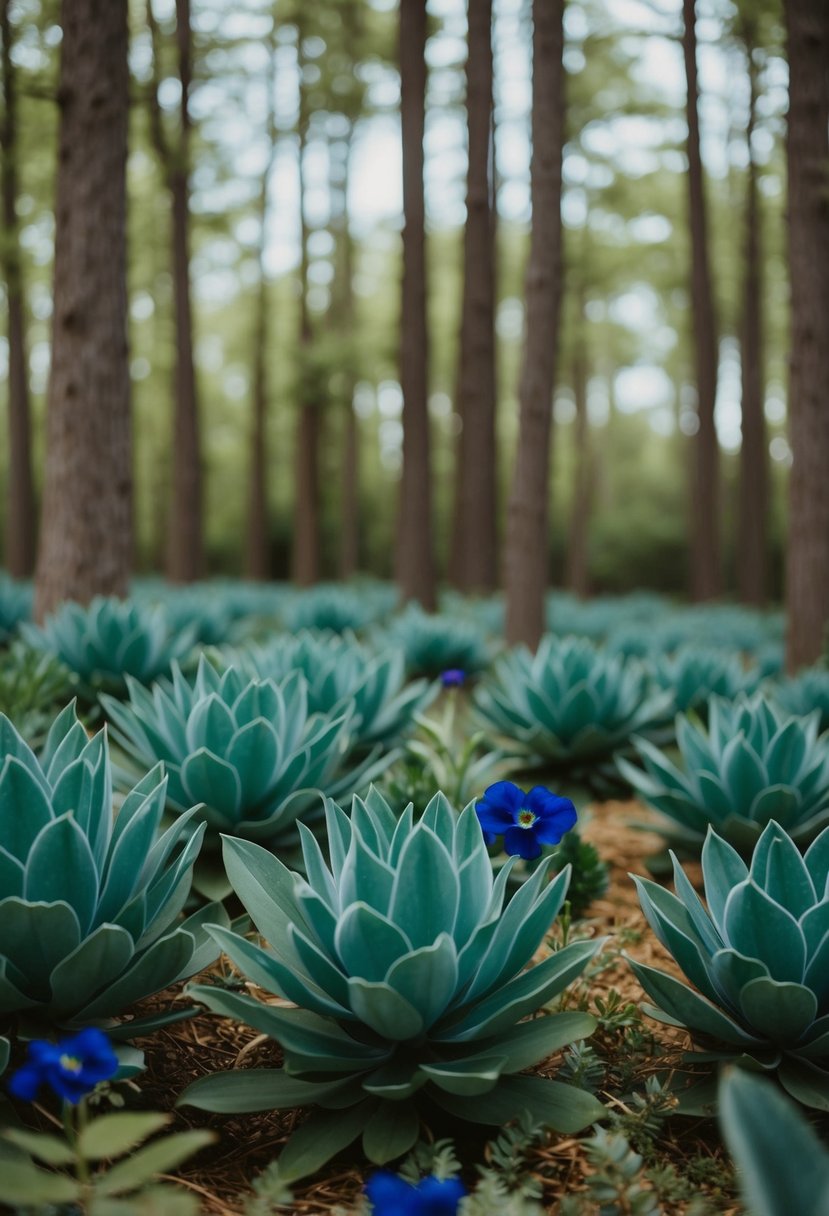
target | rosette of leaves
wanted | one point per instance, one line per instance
(408, 973)
(758, 958)
(89, 907)
(436, 642)
(752, 764)
(109, 641)
(569, 706)
(804, 694)
(339, 609)
(247, 751)
(15, 605)
(340, 669)
(32, 686)
(695, 673)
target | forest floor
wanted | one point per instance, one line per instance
(688, 1149)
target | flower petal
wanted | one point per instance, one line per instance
(494, 819)
(522, 842)
(505, 794)
(440, 1197)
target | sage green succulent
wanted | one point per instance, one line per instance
(695, 673)
(758, 957)
(408, 973)
(33, 686)
(89, 906)
(436, 642)
(15, 605)
(803, 694)
(753, 763)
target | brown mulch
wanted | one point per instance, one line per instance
(221, 1175)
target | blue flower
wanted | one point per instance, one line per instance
(391, 1195)
(525, 820)
(71, 1067)
(453, 677)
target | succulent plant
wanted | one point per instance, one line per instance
(803, 694)
(754, 763)
(340, 609)
(247, 751)
(32, 687)
(15, 605)
(758, 957)
(339, 670)
(407, 971)
(109, 641)
(89, 908)
(569, 705)
(694, 673)
(435, 642)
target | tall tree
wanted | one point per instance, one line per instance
(526, 558)
(185, 561)
(807, 154)
(706, 577)
(415, 561)
(20, 502)
(475, 525)
(578, 567)
(257, 553)
(86, 535)
(752, 531)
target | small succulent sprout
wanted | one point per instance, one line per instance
(758, 957)
(110, 641)
(693, 674)
(752, 764)
(71, 1067)
(436, 642)
(569, 705)
(89, 906)
(408, 973)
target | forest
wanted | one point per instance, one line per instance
(414, 594)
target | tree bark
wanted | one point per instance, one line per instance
(415, 547)
(475, 526)
(706, 576)
(86, 537)
(526, 561)
(752, 532)
(578, 569)
(807, 154)
(20, 499)
(185, 559)
(342, 304)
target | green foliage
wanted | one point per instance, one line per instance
(340, 609)
(694, 673)
(407, 973)
(15, 605)
(754, 763)
(125, 1186)
(436, 642)
(804, 694)
(32, 685)
(109, 641)
(89, 908)
(782, 1165)
(589, 877)
(616, 1182)
(569, 706)
(758, 958)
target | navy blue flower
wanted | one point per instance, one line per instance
(71, 1067)
(525, 820)
(453, 677)
(391, 1195)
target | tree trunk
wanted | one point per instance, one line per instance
(342, 303)
(86, 537)
(706, 577)
(578, 568)
(475, 525)
(185, 559)
(415, 547)
(807, 152)
(526, 560)
(20, 499)
(752, 534)
(257, 551)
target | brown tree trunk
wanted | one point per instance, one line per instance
(185, 559)
(706, 577)
(257, 549)
(342, 305)
(86, 537)
(20, 497)
(526, 559)
(578, 568)
(415, 562)
(752, 533)
(807, 153)
(475, 527)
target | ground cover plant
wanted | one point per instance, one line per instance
(439, 992)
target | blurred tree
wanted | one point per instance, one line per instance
(525, 561)
(185, 559)
(474, 565)
(706, 574)
(578, 558)
(415, 561)
(807, 149)
(20, 501)
(86, 532)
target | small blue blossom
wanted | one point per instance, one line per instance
(525, 820)
(391, 1195)
(453, 677)
(71, 1067)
